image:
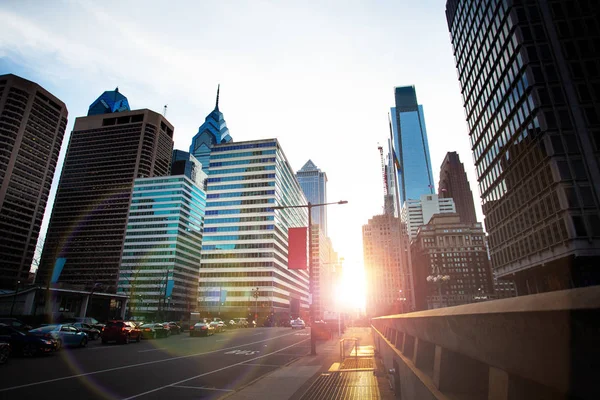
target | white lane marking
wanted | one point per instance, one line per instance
(221, 340)
(136, 365)
(265, 365)
(204, 388)
(210, 372)
(243, 352)
(159, 348)
(256, 334)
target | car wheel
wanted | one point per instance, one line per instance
(154, 335)
(4, 355)
(126, 339)
(29, 350)
(138, 338)
(83, 342)
(104, 341)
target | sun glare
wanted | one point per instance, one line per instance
(351, 291)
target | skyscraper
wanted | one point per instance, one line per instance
(106, 153)
(417, 213)
(245, 242)
(455, 185)
(415, 176)
(32, 126)
(531, 88)
(314, 185)
(212, 132)
(160, 263)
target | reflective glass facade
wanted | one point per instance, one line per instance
(160, 263)
(529, 75)
(314, 185)
(245, 241)
(415, 176)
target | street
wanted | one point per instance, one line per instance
(178, 367)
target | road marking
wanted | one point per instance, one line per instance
(265, 365)
(204, 388)
(256, 334)
(159, 348)
(210, 372)
(137, 365)
(243, 352)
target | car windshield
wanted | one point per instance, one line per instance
(147, 326)
(47, 328)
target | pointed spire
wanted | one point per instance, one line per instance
(217, 105)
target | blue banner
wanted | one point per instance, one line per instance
(58, 267)
(223, 296)
(169, 290)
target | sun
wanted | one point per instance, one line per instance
(350, 292)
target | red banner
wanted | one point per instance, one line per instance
(297, 248)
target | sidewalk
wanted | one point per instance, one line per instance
(320, 376)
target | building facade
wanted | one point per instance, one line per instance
(417, 213)
(415, 175)
(106, 153)
(160, 263)
(212, 132)
(382, 252)
(314, 185)
(530, 84)
(32, 126)
(455, 185)
(244, 248)
(446, 246)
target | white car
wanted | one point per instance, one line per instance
(298, 324)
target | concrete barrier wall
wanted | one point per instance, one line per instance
(544, 346)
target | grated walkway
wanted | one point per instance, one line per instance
(344, 385)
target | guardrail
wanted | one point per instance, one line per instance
(544, 346)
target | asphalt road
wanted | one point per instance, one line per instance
(178, 367)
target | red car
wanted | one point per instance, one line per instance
(121, 331)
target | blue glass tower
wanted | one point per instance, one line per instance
(314, 185)
(110, 101)
(415, 176)
(212, 132)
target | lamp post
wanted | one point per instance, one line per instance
(439, 280)
(401, 299)
(256, 295)
(310, 206)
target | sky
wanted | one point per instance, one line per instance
(317, 75)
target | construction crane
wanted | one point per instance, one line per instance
(383, 174)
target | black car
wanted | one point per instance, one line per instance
(15, 323)
(92, 332)
(175, 328)
(153, 331)
(25, 344)
(86, 320)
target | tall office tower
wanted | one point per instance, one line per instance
(106, 153)
(212, 132)
(531, 90)
(417, 213)
(455, 185)
(245, 243)
(160, 263)
(448, 247)
(382, 253)
(415, 176)
(183, 163)
(314, 185)
(32, 126)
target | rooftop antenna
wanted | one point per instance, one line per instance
(217, 104)
(165, 110)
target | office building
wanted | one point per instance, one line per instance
(417, 213)
(160, 264)
(314, 185)
(106, 153)
(32, 126)
(448, 247)
(529, 78)
(382, 253)
(455, 185)
(245, 242)
(415, 176)
(212, 132)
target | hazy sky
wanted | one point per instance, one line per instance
(317, 75)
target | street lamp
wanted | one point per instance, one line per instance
(310, 206)
(402, 299)
(256, 295)
(439, 280)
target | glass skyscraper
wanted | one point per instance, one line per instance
(314, 185)
(415, 176)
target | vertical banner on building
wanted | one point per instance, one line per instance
(297, 248)
(169, 289)
(223, 296)
(58, 267)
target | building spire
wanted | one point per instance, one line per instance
(217, 105)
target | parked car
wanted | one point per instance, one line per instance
(218, 325)
(65, 334)
(201, 329)
(4, 352)
(153, 331)
(241, 322)
(15, 323)
(25, 344)
(297, 324)
(175, 328)
(86, 320)
(121, 331)
(92, 332)
(231, 324)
